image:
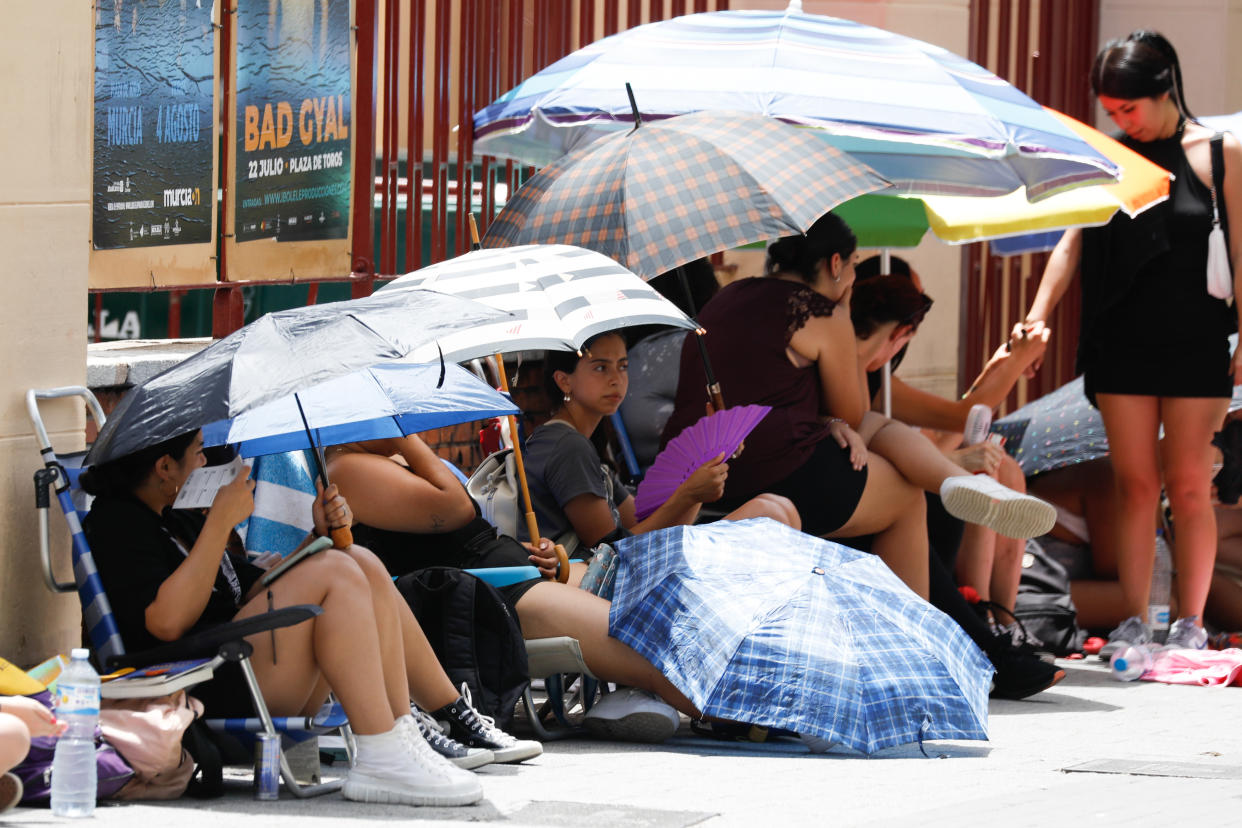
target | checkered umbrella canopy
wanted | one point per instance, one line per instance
(759, 623)
(672, 191)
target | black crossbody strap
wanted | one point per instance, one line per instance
(1217, 144)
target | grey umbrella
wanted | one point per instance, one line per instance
(277, 355)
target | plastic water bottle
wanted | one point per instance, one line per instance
(1161, 580)
(1130, 662)
(978, 421)
(73, 763)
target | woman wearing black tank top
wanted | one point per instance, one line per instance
(1153, 344)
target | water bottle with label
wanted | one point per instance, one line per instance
(73, 763)
(1161, 585)
(1130, 662)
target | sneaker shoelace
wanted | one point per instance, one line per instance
(433, 735)
(1132, 630)
(485, 726)
(421, 751)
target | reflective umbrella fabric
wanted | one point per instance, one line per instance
(557, 297)
(924, 118)
(387, 400)
(669, 192)
(759, 623)
(274, 356)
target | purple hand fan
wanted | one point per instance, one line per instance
(718, 433)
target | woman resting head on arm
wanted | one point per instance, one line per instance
(167, 573)
(570, 486)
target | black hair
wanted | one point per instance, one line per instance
(1142, 65)
(802, 254)
(125, 474)
(566, 361)
(870, 267)
(883, 299)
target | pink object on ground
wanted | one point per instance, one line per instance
(719, 433)
(1208, 668)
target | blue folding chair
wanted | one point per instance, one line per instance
(214, 646)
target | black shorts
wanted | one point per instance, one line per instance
(825, 489)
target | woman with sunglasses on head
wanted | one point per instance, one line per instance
(1153, 342)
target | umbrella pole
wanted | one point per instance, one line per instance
(886, 373)
(342, 537)
(532, 528)
(713, 387)
(474, 233)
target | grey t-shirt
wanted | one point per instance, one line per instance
(560, 465)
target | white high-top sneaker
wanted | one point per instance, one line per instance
(399, 767)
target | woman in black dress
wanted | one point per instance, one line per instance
(1153, 344)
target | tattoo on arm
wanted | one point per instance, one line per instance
(437, 523)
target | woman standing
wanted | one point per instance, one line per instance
(1153, 344)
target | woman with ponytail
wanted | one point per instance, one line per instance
(1153, 343)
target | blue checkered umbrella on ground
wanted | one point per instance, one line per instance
(670, 192)
(758, 623)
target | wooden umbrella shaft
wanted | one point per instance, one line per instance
(532, 527)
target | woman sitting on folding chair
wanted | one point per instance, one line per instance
(168, 573)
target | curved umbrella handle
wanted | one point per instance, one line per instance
(342, 538)
(562, 564)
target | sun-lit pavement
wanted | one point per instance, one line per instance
(1021, 777)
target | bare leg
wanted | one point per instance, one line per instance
(550, 609)
(895, 512)
(1186, 453)
(1131, 423)
(342, 645)
(1007, 552)
(403, 641)
(1100, 604)
(14, 741)
(916, 457)
(776, 507)
(975, 558)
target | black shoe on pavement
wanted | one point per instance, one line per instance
(1020, 674)
(473, 729)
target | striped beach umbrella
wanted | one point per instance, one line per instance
(670, 192)
(924, 118)
(559, 296)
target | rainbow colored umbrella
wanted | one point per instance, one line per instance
(903, 220)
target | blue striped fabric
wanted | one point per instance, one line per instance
(283, 494)
(758, 623)
(926, 119)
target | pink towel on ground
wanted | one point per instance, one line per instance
(1208, 668)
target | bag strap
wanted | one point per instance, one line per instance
(208, 779)
(1220, 214)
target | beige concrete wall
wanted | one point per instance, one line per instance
(45, 82)
(1206, 35)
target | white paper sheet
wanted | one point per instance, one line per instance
(201, 486)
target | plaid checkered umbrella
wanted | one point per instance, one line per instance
(557, 296)
(804, 635)
(670, 192)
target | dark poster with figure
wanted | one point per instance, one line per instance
(293, 120)
(153, 136)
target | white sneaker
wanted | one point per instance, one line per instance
(632, 715)
(400, 768)
(977, 498)
(1185, 634)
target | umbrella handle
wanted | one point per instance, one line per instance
(342, 538)
(562, 564)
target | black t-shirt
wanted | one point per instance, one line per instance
(136, 550)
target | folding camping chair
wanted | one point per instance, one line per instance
(214, 646)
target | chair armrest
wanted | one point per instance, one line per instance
(206, 643)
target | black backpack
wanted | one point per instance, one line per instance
(1044, 605)
(474, 634)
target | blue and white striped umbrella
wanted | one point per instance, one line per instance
(924, 118)
(558, 296)
(759, 623)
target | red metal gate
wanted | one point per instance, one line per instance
(1045, 48)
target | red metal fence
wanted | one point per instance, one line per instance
(1045, 48)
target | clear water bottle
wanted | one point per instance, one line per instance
(73, 763)
(1161, 585)
(1130, 662)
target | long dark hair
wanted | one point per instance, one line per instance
(879, 300)
(125, 474)
(1142, 65)
(802, 254)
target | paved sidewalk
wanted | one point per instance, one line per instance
(1016, 779)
